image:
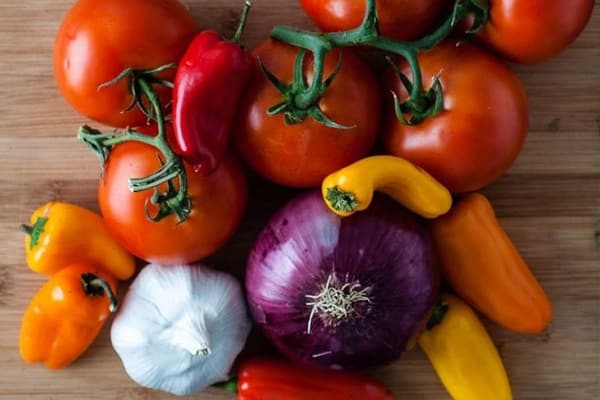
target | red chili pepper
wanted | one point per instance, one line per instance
(208, 85)
(262, 379)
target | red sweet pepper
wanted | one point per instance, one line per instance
(266, 379)
(208, 84)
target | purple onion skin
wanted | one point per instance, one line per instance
(386, 248)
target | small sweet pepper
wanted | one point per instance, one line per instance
(66, 315)
(463, 354)
(484, 267)
(62, 234)
(266, 379)
(351, 188)
(208, 86)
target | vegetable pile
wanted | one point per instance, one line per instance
(381, 248)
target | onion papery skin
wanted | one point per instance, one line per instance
(385, 250)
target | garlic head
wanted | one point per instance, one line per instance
(180, 327)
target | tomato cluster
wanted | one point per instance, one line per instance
(474, 137)
(98, 40)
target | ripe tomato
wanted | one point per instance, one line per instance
(530, 31)
(301, 155)
(218, 202)
(483, 125)
(398, 19)
(97, 40)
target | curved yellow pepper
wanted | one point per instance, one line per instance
(351, 188)
(462, 353)
(62, 234)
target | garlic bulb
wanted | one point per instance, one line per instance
(180, 328)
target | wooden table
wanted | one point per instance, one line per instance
(549, 202)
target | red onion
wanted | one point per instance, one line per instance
(342, 293)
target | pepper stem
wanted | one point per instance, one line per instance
(230, 385)
(239, 32)
(341, 200)
(35, 231)
(437, 315)
(26, 229)
(96, 286)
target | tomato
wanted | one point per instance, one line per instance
(97, 40)
(398, 19)
(530, 31)
(301, 155)
(482, 128)
(218, 202)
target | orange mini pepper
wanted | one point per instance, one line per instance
(62, 234)
(66, 315)
(482, 264)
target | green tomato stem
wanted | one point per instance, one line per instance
(160, 140)
(298, 98)
(367, 32)
(174, 200)
(305, 99)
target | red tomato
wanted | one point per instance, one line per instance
(482, 128)
(218, 202)
(530, 31)
(398, 19)
(97, 40)
(301, 155)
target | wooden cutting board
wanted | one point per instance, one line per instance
(549, 202)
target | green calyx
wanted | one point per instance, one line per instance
(481, 13)
(230, 386)
(297, 103)
(174, 200)
(134, 81)
(426, 104)
(299, 98)
(437, 315)
(341, 201)
(35, 231)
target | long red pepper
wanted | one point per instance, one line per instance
(266, 379)
(208, 85)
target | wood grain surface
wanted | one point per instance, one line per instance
(549, 202)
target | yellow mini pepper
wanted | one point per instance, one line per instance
(63, 234)
(351, 188)
(463, 354)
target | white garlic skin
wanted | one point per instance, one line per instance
(180, 328)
